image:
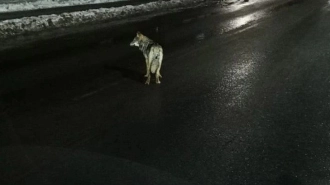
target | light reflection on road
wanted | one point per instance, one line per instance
(237, 82)
(238, 79)
(241, 21)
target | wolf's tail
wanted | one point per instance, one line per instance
(154, 64)
(156, 61)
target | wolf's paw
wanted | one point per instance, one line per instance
(146, 75)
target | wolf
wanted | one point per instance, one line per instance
(153, 54)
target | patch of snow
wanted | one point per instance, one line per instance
(23, 25)
(44, 4)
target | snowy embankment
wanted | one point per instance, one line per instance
(14, 27)
(44, 4)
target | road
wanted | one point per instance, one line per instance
(244, 99)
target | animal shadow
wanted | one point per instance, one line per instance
(289, 180)
(127, 73)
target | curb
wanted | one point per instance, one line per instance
(288, 3)
(59, 10)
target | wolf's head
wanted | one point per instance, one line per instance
(137, 39)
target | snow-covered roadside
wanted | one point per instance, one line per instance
(44, 4)
(23, 25)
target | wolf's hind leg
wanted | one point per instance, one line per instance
(157, 78)
(148, 72)
(158, 75)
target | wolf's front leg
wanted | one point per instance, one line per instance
(148, 80)
(147, 68)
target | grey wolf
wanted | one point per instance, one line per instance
(153, 54)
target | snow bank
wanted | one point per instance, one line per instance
(15, 27)
(44, 4)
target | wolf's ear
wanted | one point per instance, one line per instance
(138, 33)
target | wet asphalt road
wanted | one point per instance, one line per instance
(244, 99)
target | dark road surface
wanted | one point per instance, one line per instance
(244, 99)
